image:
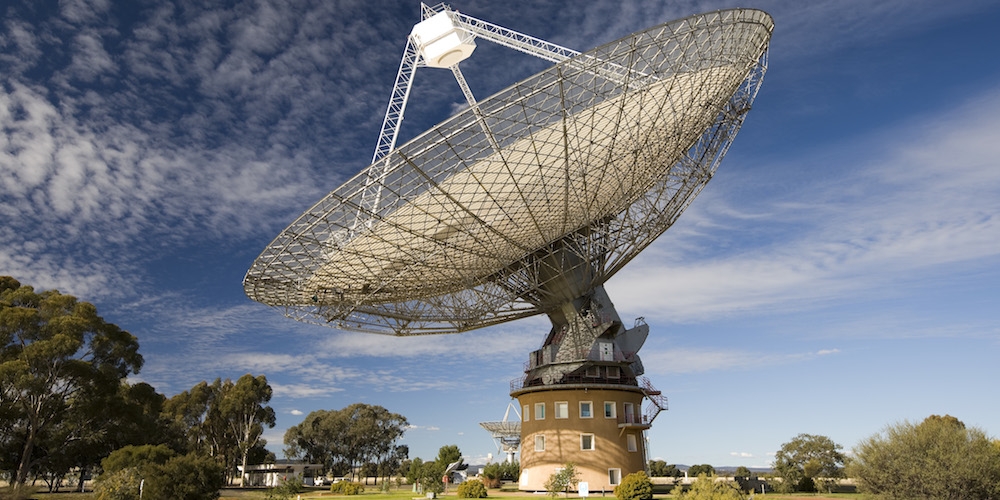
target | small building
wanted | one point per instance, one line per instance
(271, 475)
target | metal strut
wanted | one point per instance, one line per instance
(371, 196)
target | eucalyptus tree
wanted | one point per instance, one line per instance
(352, 436)
(244, 407)
(224, 419)
(806, 458)
(56, 355)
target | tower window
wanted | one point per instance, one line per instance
(587, 442)
(586, 409)
(610, 409)
(540, 443)
(614, 476)
(539, 411)
(632, 445)
(562, 409)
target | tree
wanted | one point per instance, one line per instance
(561, 480)
(810, 457)
(352, 436)
(413, 471)
(429, 476)
(449, 454)
(55, 354)
(697, 470)
(224, 420)
(242, 405)
(937, 458)
(659, 468)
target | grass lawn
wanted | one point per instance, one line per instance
(406, 494)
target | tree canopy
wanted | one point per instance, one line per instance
(225, 419)
(660, 468)
(346, 438)
(939, 458)
(57, 356)
(805, 459)
(697, 470)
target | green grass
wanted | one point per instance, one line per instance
(407, 494)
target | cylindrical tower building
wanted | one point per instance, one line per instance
(581, 398)
(595, 425)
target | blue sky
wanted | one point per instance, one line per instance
(840, 273)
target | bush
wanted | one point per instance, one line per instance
(286, 489)
(472, 488)
(635, 486)
(122, 484)
(136, 457)
(806, 485)
(191, 477)
(707, 488)
(937, 458)
(491, 475)
(347, 488)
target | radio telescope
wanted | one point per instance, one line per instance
(526, 203)
(506, 433)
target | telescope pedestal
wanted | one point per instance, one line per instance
(581, 397)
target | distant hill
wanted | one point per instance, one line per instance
(729, 469)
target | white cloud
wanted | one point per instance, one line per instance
(693, 360)
(926, 197)
(296, 412)
(741, 454)
(301, 391)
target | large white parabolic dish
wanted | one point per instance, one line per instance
(600, 153)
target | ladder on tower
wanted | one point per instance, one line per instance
(657, 401)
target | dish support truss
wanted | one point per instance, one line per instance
(468, 28)
(428, 280)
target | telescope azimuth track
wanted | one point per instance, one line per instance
(528, 198)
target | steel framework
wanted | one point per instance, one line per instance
(527, 200)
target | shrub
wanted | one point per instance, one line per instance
(635, 486)
(472, 488)
(285, 490)
(191, 477)
(347, 488)
(122, 484)
(937, 458)
(707, 488)
(136, 457)
(491, 475)
(561, 480)
(806, 485)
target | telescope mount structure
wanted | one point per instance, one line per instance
(506, 433)
(526, 203)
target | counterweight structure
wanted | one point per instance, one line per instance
(526, 203)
